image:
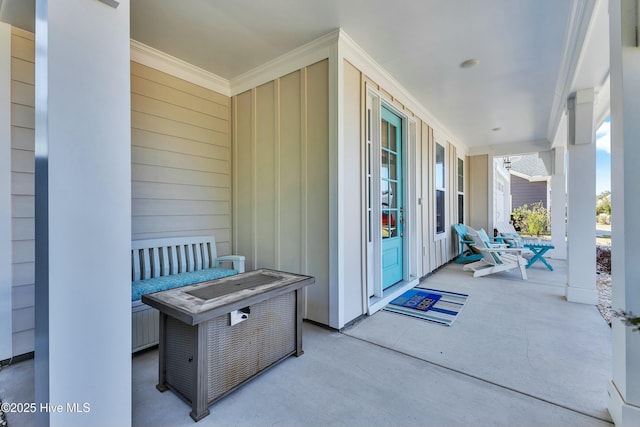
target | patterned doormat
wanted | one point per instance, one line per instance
(3, 416)
(432, 305)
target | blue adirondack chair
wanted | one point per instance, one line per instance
(467, 254)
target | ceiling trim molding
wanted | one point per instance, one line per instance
(154, 58)
(357, 56)
(578, 24)
(512, 149)
(291, 61)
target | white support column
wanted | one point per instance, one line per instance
(581, 228)
(83, 213)
(558, 205)
(6, 333)
(624, 388)
(336, 192)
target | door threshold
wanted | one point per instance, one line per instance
(389, 294)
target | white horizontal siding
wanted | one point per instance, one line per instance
(181, 159)
(174, 160)
(22, 206)
(22, 190)
(23, 229)
(23, 138)
(169, 91)
(23, 273)
(23, 93)
(172, 144)
(188, 226)
(23, 318)
(22, 116)
(155, 207)
(6, 285)
(22, 71)
(23, 251)
(23, 341)
(23, 296)
(22, 183)
(22, 161)
(181, 171)
(157, 190)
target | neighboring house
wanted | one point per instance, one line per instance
(530, 181)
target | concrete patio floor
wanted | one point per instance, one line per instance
(518, 355)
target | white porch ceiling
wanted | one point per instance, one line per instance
(533, 53)
(525, 48)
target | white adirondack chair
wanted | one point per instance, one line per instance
(495, 259)
(509, 235)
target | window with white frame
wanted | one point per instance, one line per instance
(460, 191)
(440, 189)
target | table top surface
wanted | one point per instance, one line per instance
(192, 303)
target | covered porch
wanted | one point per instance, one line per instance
(518, 354)
(260, 123)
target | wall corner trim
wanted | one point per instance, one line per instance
(303, 56)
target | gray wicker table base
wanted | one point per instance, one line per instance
(203, 356)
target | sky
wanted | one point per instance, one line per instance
(603, 157)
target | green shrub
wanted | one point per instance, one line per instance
(535, 221)
(628, 318)
(603, 207)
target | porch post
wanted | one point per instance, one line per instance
(558, 203)
(624, 388)
(581, 193)
(83, 213)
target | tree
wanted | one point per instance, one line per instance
(603, 203)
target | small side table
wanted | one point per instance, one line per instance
(539, 249)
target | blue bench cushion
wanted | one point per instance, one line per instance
(157, 284)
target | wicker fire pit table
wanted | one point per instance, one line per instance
(217, 335)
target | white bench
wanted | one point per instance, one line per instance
(160, 264)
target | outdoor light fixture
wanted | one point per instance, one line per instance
(506, 163)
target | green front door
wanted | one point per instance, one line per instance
(392, 207)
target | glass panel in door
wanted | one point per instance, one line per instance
(391, 198)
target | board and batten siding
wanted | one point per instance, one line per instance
(23, 189)
(180, 159)
(281, 179)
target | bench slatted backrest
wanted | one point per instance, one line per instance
(163, 257)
